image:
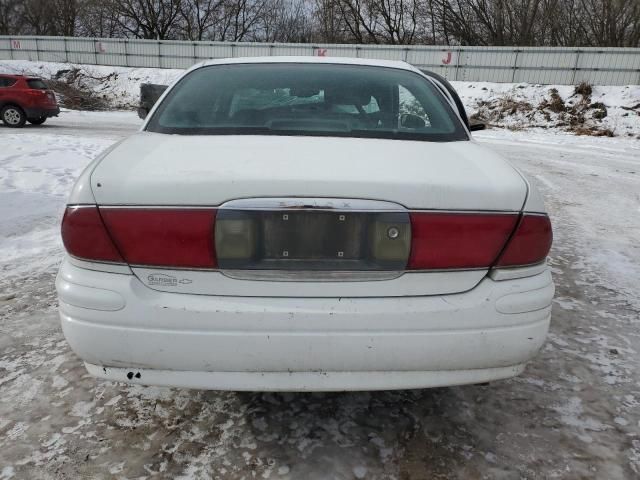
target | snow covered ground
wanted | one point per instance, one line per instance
(574, 413)
(38, 166)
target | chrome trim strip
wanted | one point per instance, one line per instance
(535, 214)
(311, 203)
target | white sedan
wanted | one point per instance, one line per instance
(305, 224)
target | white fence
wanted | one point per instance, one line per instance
(545, 65)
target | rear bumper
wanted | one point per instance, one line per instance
(42, 112)
(125, 331)
(305, 381)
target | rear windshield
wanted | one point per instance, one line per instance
(37, 84)
(307, 99)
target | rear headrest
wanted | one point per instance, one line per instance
(347, 96)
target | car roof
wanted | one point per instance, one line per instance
(312, 59)
(14, 76)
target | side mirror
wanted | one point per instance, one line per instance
(477, 126)
(409, 120)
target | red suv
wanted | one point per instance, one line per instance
(25, 99)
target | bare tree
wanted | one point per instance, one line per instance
(605, 23)
(98, 18)
(65, 16)
(285, 21)
(359, 20)
(611, 23)
(330, 26)
(199, 17)
(240, 19)
(36, 17)
(10, 17)
(154, 19)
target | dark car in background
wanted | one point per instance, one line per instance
(149, 95)
(25, 99)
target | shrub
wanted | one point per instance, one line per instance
(600, 110)
(583, 89)
(556, 104)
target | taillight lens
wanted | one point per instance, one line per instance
(163, 237)
(530, 243)
(85, 236)
(185, 238)
(458, 240)
(36, 93)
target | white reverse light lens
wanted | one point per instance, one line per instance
(390, 242)
(235, 239)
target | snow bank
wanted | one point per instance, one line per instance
(118, 86)
(597, 110)
(610, 111)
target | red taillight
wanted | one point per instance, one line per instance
(36, 93)
(458, 240)
(184, 238)
(180, 238)
(530, 244)
(85, 236)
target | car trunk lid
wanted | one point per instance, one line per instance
(315, 204)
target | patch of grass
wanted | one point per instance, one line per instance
(600, 110)
(592, 131)
(510, 106)
(555, 104)
(585, 89)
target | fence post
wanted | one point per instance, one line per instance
(126, 53)
(11, 48)
(455, 73)
(575, 67)
(515, 67)
(37, 50)
(66, 50)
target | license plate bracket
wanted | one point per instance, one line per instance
(307, 239)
